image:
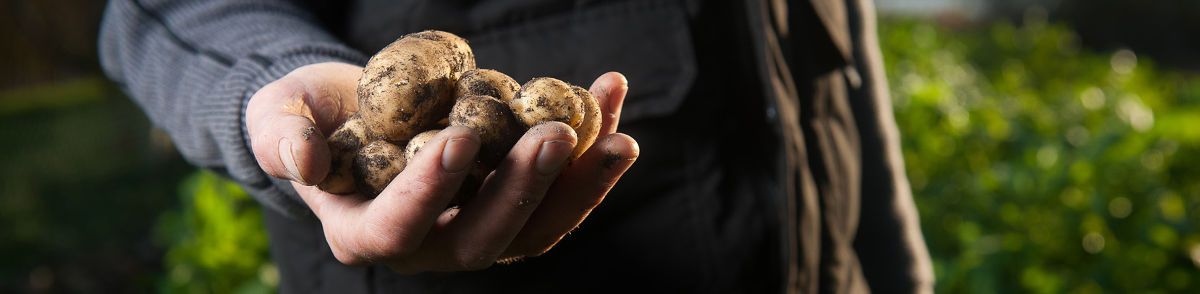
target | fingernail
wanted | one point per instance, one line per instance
(552, 156)
(458, 155)
(289, 160)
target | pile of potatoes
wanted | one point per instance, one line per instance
(427, 81)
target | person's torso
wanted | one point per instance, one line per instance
(692, 215)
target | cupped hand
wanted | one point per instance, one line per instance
(523, 209)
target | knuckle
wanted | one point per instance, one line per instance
(347, 258)
(262, 93)
(343, 254)
(393, 249)
(388, 242)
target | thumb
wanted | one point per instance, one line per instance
(286, 142)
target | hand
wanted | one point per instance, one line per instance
(523, 209)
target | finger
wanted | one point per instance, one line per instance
(573, 196)
(400, 217)
(285, 141)
(484, 227)
(340, 216)
(610, 89)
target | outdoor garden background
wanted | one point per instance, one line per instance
(1052, 146)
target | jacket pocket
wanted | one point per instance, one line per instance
(648, 41)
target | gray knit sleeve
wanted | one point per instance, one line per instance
(191, 66)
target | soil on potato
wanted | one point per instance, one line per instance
(483, 88)
(346, 141)
(308, 133)
(380, 162)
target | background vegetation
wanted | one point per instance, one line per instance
(1039, 166)
(1040, 163)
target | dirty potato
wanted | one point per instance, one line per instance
(487, 82)
(408, 86)
(344, 143)
(414, 145)
(589, 129)
(427, 81)
(490, 118)
(376, 164)
(547, 99)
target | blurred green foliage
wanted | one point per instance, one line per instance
(1041, 167)
(216, 242)
(82, 180)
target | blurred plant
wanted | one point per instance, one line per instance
(82, 180)
(216, 243)
(1040, 167)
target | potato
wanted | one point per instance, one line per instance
(547, 99)
(498, 129)
(414, 145)
(589, 129)
(344, 143)
(408, 86)
(376, 165)
(487, 82)
(427, 81)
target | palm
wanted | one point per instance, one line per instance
(520, 211)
